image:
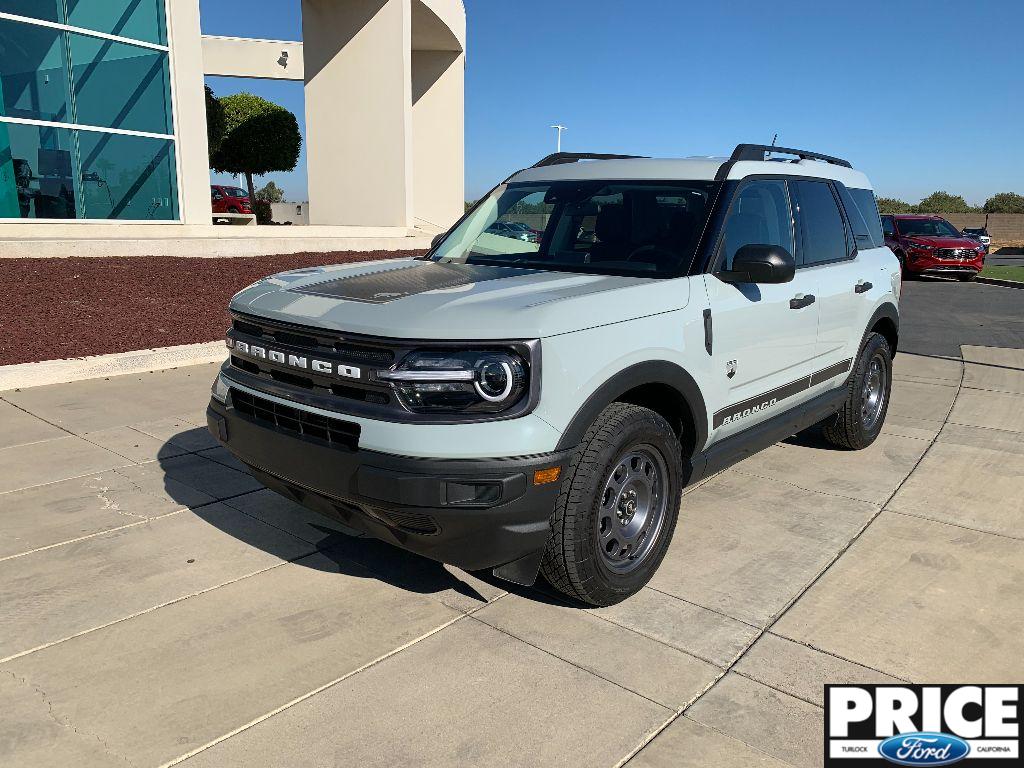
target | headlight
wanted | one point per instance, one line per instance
(921, 246)
(485, 381)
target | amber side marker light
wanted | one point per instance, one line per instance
(545, 476)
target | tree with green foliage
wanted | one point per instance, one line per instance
(1004, 202)
(944, 202)
(260, 137)
(270, 192)
(216, 122)
(894, 205)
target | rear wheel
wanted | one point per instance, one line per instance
(617, 508)
(860, 421)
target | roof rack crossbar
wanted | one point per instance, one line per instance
(757, 152)
(561, 158)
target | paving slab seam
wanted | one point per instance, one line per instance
(704, 607)
(791, 484)
(720, 732)
(63, 722)
(993, 390)
(144, 611)
(822, 651)
(654, 639)
(320, 689)
(92, 535)
(573, 664)
(36, 415)
(800, 593)
(954, 525)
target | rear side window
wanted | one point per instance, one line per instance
(863, 215)
(824, 233)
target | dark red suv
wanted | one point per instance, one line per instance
(229, 199)
(930, 245)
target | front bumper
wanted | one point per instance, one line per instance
(472, 513)
(931, 265)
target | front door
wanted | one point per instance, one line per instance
(764, 335)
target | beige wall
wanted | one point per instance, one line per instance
(190, 112)
(438, 144)
(358, 111)
(242, 57)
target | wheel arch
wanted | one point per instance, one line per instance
(886, 321)
(662, 386)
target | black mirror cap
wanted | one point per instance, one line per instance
(438, 239)
(761, 264)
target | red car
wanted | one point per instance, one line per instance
(229, 199)
(930, 245)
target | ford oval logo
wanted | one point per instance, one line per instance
(924, 749)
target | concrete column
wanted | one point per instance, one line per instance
(358, 111)
(190, 112)
(438, 84)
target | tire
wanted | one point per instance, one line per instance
(624, 480)
(855, 426)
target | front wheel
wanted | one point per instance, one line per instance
(617, 507)
(860, 420)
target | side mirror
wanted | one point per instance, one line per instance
(760, 264)
(437, 240)
(889, 234)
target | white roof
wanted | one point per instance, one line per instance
(689, 169)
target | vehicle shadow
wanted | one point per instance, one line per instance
(217, 489)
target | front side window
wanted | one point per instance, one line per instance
(643, 229)
(760, 215)
(927, 228)
(863, 216)
(824, 233)
(887, 226)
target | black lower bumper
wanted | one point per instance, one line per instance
(472, 513)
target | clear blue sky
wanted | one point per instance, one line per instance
(921, 95)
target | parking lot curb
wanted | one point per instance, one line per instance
(997, 281)
(38, 374)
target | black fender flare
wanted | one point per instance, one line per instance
(886, 310)
(648, 372)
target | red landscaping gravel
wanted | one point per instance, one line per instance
(57, 308)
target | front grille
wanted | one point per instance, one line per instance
(343, 434)
(956, 253)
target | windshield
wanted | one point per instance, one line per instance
(647, 229)
(927, 228)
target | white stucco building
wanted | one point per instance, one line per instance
(103, 145)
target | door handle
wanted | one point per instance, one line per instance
(800, 301)
(862, 287)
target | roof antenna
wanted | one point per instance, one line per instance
(774, 139)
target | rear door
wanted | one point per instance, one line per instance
(764, 335)
(829, 254)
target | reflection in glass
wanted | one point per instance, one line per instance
(58, 173)
(37, 179)
(120, 86)
(33, 76)
(135, 19)
(127, 177)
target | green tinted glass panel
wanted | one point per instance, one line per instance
(120, 86)
(47, 10)
(135, 19)
(37, 173)
(33, 75)
(127, 177)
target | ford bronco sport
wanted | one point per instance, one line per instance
(539, 406)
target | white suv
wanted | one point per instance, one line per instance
(539, 404)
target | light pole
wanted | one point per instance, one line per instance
(559, 128)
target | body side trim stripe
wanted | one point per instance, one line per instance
(769, 399)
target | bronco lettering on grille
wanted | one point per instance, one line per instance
(294, 361)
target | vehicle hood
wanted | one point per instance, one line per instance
(943, 242)
(413, 299)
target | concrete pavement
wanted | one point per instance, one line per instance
(159, 608)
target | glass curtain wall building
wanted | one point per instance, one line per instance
(86, 123)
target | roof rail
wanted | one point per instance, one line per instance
(758, 151)
(561, 158)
